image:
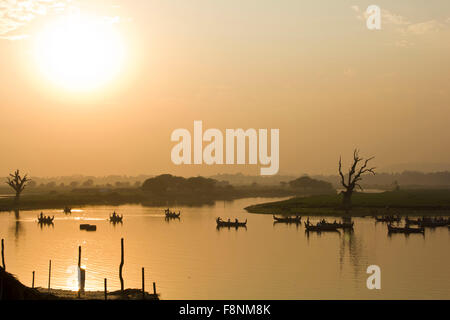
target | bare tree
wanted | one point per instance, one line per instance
(354, 176)
(18, 183)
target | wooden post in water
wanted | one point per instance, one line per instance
(79, 256)
(32, 282)
(154, 288)
(49, 273)
(121, 266)
(3, 254)
(143, 284)
(106, 291)
(79, 270)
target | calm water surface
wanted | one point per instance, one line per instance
(191, 259)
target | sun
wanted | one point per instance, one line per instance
(80, 52)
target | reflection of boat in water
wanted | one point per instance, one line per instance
(171, 215)
(321, 226)
(45, 220)
(406, 229)
(230, 224)
(296, 219)
(67, 210)
(115, 218)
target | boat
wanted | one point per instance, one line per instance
(88, 227)
(319, 227)
(406, 229)
(296, 219)
(229, 224)
(412, 222)
(388, 219)
(91, 227)
(339, 225)
(434, 223)
(115, 218)
(45, 220)
(171, 214)
(67, 210)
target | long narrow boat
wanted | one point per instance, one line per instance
(339, 225)
(45, 220)
(434, 223)
(389, 219)
(412, 222)
(230, 224)
(406, 229)
(319, 227)
(296, 219)
(173, 215)
(115, 218)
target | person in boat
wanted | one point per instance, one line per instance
(41, 216)
(236, 221)
(229, 220)
(218, 220)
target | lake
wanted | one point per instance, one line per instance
(190, 259)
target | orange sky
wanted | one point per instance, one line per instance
(312, 70)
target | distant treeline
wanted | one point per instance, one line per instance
(408, 179)
(386, 181)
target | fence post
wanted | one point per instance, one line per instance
(106, 291)
(121, 266)
(49, 274)
(3, 254)
(143, 284)
(32, 282)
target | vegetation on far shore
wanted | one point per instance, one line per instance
(159, 191)
(411, 202)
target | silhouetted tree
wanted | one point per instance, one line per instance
(354, 176)
(18, 183)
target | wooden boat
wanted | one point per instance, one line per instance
(45, 220)
(229, 224)
(91, 227)
(434, 223)
(171, 214)
(84, 226)
(115, 218)
(406, 229)
(296, 219)
(412, 222)
(388, 219)
(319, 227)
(339, 225)
(67, 210)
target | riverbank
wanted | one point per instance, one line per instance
(13, 289)
(127, 294)
(407, 202)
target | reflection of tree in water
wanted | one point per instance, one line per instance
(351, 245)
(18, 229)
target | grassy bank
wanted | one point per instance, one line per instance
(411, 202)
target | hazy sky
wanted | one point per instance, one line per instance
(309, 68)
